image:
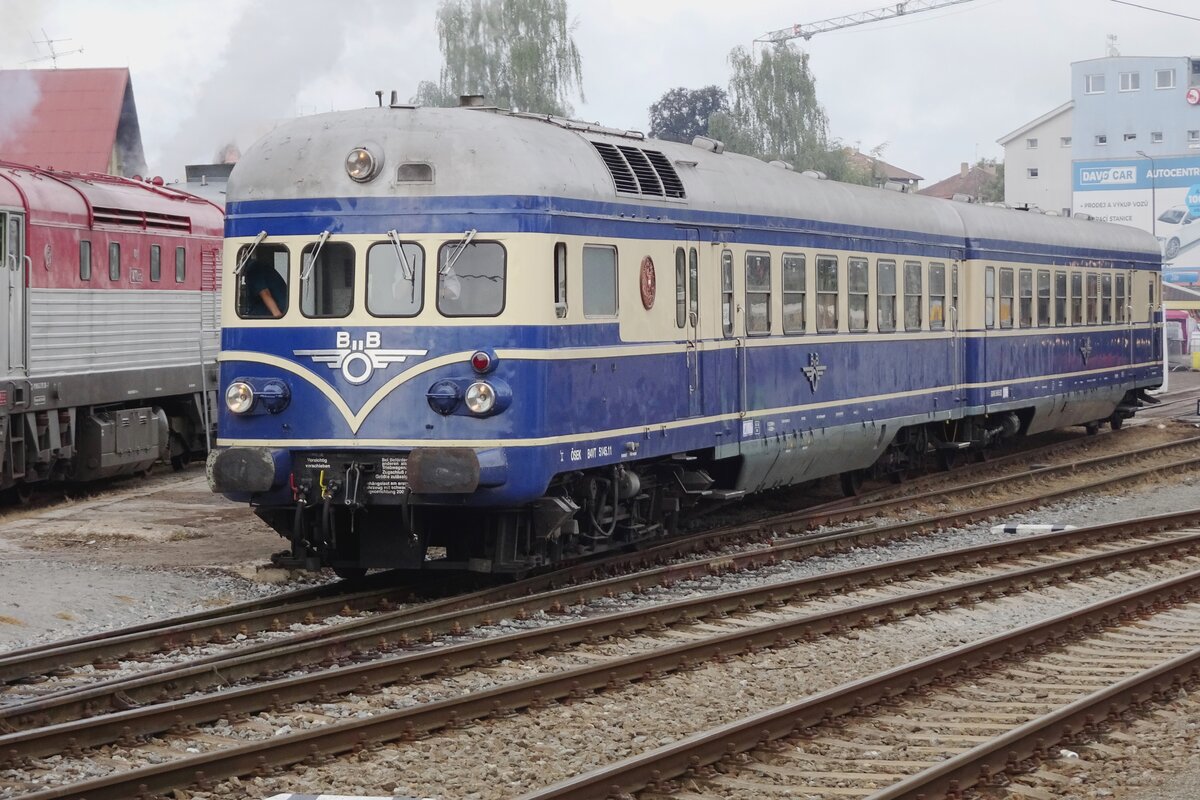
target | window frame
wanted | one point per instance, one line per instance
(1043, 312)
(864, 294)
(1031, 172)
(312, 247)
(1077, 298)
(1031, 143)
(1090, 83)
(114, 261)
(885, 266)
(937, 299)
(1025, 294)
(680, 288)
(181, 264)
(390, 245)
(155, 263)
(1120, 287)
(792, 292)
(1092, 298)
(1129, 81)
(561, 304)
(917, 298)
(727, 293)
(1062, 298)
(756, 291)
(1007, 276)
(1101, 140)
(616, 281)
(828, 260)
(1106, 298)
(85, 259)
(1158, 73)
(989, 298)
(273, 249)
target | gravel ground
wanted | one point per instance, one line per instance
(137, 550)
(115, 543)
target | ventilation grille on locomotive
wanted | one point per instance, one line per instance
(145, 220)
(638, 171)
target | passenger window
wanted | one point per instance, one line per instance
(1006, 297)
(1077, 299)
(180, 264)
(858, 289)
(989, 297)
(1026, 305)
(155, 263)
(560, 280)
(327, 280)
(1106, 298)
(693, 282)
(727, 293)
(1060, 299)
(1120, 313)
(599, 281)
(794, 292)
(937, 297)
(114, 261)
(954, 296)
(1043, 298)
(758, 294)
(262, 288)
(885, 287)
(1093, 299)
(85, 260)
(912, 295)
(395, 279)
(827, 294)
(680, 287)
(471, 279)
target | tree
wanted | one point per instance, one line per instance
(991, 190)
(773, 109)
(681, 115)
(519, 54)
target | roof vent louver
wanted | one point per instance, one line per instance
(146, 220)
(641, 172)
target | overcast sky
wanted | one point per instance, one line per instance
(935, 88)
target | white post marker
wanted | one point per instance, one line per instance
(1028, 529)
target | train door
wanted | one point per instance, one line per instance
(958, 354)
(691, 321)
(14, 271)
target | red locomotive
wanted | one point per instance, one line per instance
(110, 324)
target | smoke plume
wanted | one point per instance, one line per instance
(19, 95)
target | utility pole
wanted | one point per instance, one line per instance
(808, 30)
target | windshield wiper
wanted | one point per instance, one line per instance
(410, 275)
(468, 236)
(245, 259)
(312, 261)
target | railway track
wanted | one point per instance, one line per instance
(379, 633)
(772, 617)
(976, 716)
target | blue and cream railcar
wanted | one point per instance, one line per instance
(523, 339)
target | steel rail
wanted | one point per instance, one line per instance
(157, 685)
(354, 734)
(708, 747)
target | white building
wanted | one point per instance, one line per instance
(1037, 162)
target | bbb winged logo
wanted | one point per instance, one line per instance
(359, 358)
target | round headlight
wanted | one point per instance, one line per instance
(480, 398)
(239, 397)
(361, 164)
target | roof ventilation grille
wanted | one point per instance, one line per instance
(642, 172)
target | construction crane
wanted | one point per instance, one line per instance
(811, 29)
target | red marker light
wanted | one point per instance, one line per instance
(480, 361)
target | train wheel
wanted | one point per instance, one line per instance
(1092, 428)
(852, 482)
(1116, 422)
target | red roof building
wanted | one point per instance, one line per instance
(80, 120)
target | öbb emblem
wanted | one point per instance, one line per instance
(359, 358)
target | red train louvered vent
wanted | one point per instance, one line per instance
(643, 172)
(132, 218)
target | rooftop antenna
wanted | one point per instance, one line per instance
(54, 54)
(1111, 48)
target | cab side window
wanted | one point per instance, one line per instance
(395, 279)
(263, 281)
(327, 280)
(471, 279)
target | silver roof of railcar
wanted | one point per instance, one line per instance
(476, 152)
